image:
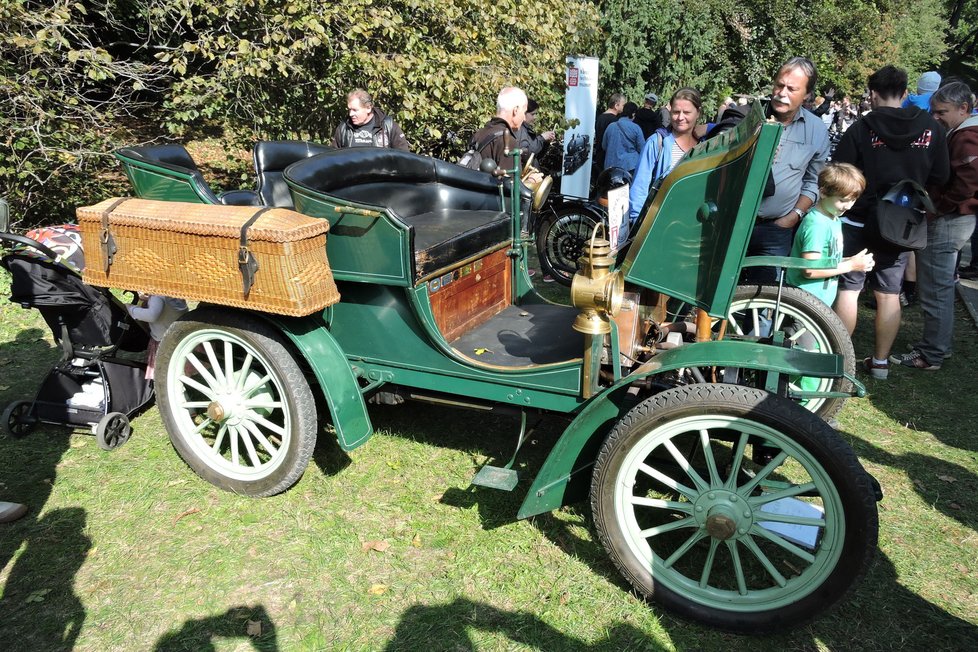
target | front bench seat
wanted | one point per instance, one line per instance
(148, 168)
(271, 159)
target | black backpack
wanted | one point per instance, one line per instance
(472, 158)
(901, 216)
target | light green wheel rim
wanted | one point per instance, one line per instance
(707, 543)
(749, 321)
(229, 404)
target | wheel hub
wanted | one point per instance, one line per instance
(723, 514)
(227, 407)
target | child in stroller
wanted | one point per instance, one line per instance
(90, 387)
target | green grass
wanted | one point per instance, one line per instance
(129, 550)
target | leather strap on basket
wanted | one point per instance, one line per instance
(106, 241)
(247, 263)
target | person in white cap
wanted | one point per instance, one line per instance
(928, 82)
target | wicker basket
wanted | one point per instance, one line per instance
(191, 251)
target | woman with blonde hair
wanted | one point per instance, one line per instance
(665, 147)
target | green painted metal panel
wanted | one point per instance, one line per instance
(152, 182)
(564, 475)
(390, 333)
(365, 243)
(336, 378)
(693, 237)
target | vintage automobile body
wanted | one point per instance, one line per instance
(727, 503)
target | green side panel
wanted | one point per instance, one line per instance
(565, 476)
(335, 376)
(365, 243)
(151, 182)
(389, 332)
(694, 235)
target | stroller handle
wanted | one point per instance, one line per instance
(33, 244)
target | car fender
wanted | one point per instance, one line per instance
(565, 475)
(335, 375)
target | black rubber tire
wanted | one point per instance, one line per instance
(289, 386)
(16, 421)
(562, 238)
(848, 486)
(822, 317)
(112, 431)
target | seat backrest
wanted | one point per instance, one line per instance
(165, 172)
(406, 183)
(271, 159)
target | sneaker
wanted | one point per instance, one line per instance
(914, 360)
(911, 348)
(876, 370)
(969, 272)
(531, 273)
(547, 278)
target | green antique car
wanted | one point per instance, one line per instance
(714, 492)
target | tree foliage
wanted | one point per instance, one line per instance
(724, 45)
(79, 78)
(78, 75)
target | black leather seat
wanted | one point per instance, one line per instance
(453, 212)
(271, 159)
(177, 159)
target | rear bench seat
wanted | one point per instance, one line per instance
(453, 213)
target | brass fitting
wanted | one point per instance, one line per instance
(596, 290)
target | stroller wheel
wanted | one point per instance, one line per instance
(112, 431)
(17, 421)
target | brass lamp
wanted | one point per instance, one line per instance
(596, 290)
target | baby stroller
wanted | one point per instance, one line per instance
(89, 387)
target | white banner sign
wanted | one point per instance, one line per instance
(580, 109)
(617, 217)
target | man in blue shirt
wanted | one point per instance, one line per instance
(801, 155)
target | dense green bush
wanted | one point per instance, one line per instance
(79, 78)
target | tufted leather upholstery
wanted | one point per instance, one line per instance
(453, 212)
(176, 158)
(271, 159)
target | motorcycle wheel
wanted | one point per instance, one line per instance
(561, 239)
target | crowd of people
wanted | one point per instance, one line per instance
(888, 140)
(811, 209)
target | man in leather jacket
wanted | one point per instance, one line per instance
(368, 126)
(502, 132)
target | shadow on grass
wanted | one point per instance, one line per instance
(251, 623)
(39, 606)
(938, 402)
(449, 627)
(947, 486)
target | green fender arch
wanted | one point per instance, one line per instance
(564, 477)
(335, 375)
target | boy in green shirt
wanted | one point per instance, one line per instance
(820, 233)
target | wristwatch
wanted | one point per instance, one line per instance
(798, 212)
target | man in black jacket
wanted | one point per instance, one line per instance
(889, 144)
(368, 126)
(648, 117)
(503, 132)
